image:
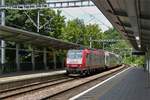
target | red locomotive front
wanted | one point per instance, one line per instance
(75, 61)
(84, 61)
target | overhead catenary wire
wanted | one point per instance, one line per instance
(67, 13)
(102, 23)
(92, 17)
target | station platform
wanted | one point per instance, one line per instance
(28, 75)
(131, 84)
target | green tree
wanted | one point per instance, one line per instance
(55, 21)
(73, 31)
(19, 19)
(76, 31)
(123, 48)
(93, 31)
(112, 33)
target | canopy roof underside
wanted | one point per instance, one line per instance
(131, 18)
(21, 36)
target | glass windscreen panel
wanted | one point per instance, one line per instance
(74, 54)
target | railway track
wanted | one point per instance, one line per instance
(14, 92)
(66, 95)
(52, 88)
(86, 82)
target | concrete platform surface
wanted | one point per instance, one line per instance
(131, 84)
(29, 76)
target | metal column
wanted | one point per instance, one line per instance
(45, 58)
(90, 42)
(2, 42)
(147, 61)
(38, 21)
(103, 46)
(63, 63)
(17, 57)
(148, 69)
(148, 57)
(33, 60)
(54, 59)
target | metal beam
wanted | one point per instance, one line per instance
(128, 25)
(108, 40)
(118, 13)
(145, 40)
(124, 24)
(63, 4)
(127, 32)
(124, 14)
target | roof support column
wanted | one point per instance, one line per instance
(54, 59)
(17, 57)
(45, 58)
(2, 42)
(2, 55)
(33, 59)
(148, 68)
(146, 60)
(63, 63)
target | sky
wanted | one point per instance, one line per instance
(88, 14)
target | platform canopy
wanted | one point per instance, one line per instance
(22, 36)
(131, 18)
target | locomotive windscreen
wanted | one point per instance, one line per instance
(74, 54)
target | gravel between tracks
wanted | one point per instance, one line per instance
(23, 90)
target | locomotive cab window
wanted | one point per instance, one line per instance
(72, 54)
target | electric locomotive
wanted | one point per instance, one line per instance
(86, 61)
